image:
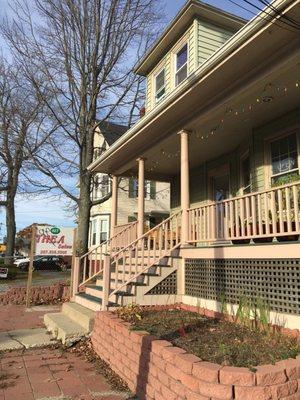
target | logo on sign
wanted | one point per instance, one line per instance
(55, 231)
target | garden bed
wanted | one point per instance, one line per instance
(214, 340)
(145, 353)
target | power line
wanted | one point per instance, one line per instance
(278, 12)
(268, 16)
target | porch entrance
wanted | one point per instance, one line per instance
(220, 189)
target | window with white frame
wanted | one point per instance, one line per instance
(150, 189)
(99, 230)
(284, 158)
(181, 67)
(160, 85)
(102, 186)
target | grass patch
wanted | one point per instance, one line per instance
(214, 340)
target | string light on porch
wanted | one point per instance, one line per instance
(269, 94)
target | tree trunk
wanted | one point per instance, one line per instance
(10, 229)
(84, 207)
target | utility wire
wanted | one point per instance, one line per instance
(278, 22)
(277, 12)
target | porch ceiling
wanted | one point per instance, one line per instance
(223, 129)
(267, 65)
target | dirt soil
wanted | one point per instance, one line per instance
(215, 340)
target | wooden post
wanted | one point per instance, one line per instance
(106, 281)
(30, 269)
(184, 185)
(114, 206)
(141, 196)
(76, 276)
(73, 261)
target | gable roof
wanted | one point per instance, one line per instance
(111, 131)
(191, 9)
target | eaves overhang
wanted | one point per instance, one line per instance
(250, 32)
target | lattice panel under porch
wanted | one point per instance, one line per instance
(167, 286)
(277, 282)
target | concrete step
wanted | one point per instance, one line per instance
(82, 315)
(64, 328)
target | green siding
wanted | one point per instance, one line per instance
(255, 144)
(210, 39)
(203, 39)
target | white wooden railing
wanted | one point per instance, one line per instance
(269, 213)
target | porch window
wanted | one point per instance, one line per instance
(160, 85)
(245, 174)
(181, 65)
(284, 159)
(103, 230)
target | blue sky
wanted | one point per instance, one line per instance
(53, 210)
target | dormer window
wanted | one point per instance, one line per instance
(160, 85)
(181, 64)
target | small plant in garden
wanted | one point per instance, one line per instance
(131, 313)
(223, 303)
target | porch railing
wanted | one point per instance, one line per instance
(90, 265)
(269, 213)
(124, 234)
(146, 251)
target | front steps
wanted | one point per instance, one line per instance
(72, 323)
(133, 292)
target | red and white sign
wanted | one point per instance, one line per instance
(54, 241)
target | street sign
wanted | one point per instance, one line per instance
(54, 241)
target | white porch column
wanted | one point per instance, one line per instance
(141, 196)
(184, 184)
(114, 205)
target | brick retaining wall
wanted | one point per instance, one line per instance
(156, 370)
(39, 294)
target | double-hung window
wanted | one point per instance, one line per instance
(284, 158)
(181, 64)
(160, 85)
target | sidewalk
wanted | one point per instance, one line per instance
(46, 374)
(14, 317)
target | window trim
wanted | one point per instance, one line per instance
(267, 151)
(243, 156)
(176, 51)
(156, 100)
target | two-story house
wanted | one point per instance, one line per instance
(157, 194)
(222, 127)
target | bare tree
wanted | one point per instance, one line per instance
(84, 51)
(22, 123)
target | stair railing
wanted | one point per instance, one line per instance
(90, 265)
(145, 252)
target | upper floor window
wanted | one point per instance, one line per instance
(160, 85)
(181, 64)
(284, 158)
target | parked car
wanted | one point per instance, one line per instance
(20, 260)
(46, 263)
